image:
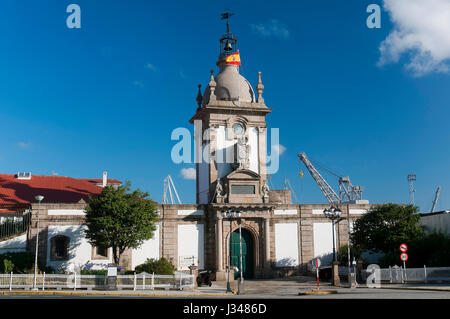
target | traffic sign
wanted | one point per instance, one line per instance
(403, 248)
(316, 263)
(404, 257)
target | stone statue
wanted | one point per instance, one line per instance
(242, 153)
(219, 190)
(265, 190)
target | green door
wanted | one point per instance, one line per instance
(247, 253)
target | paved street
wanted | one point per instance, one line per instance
(261, 289)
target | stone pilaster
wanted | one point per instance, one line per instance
(267, 243)
(213, 174)
(219, 232)
(262, 151)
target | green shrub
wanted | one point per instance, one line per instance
(93, 272)
(8, 266)
(158, 266)
(22, 262)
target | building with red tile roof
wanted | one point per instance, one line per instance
(19, 192)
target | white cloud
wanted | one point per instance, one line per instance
(139, 84)
(151, 67)
(188, 173)
(421, 33)
(23, 145)
(271, 28)
(278, 148)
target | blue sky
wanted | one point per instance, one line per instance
(107, 96)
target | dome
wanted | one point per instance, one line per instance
(231, 86)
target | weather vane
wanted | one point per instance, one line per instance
(226, 15)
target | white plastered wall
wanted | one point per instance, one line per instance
(16, 244)
(80, 251)
(190, 244)
(323, 242)
(149, 249)
(286, 244)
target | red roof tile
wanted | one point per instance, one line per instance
(55, 189)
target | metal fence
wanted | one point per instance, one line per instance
(145, 281)
(14, 224)
(410, 275)
(142, 281)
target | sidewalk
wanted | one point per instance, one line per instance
(212, 291)
(406, 286)
(430, 287)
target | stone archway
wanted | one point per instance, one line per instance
(248, 253)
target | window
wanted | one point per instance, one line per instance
(242, 189)
(60, 248)
(101, 251)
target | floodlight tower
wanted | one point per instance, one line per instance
(411, 179)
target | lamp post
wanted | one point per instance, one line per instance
(39, 198)
(230, 214)
(334, 215)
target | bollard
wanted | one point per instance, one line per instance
(134, 281)
(43, 281)
(10, 281)
(425, 272)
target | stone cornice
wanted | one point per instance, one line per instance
(227, 106)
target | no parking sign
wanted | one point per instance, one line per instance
(403, 248)
(404, 257)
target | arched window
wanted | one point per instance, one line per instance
(59, 248)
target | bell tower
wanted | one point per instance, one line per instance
(230, 133)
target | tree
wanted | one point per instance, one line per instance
(383, 228)
(120, 219)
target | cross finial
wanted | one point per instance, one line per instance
(226, 15)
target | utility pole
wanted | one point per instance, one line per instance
(39, 198)
(411, 179)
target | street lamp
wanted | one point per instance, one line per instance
(334, 215)
(39, 198)
(230, 214)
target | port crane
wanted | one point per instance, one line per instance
(347, 191)
(436, 197)
(168, 186)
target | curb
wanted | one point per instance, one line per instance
(416, 288)
(317, 292)
(54, 293)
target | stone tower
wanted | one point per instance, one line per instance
(230, 134)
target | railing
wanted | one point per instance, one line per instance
(11, 227)
(142, 281)
(411, 275)
(145, 281)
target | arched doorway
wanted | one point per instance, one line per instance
(247, 253)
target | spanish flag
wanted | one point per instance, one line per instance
(233, 59)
